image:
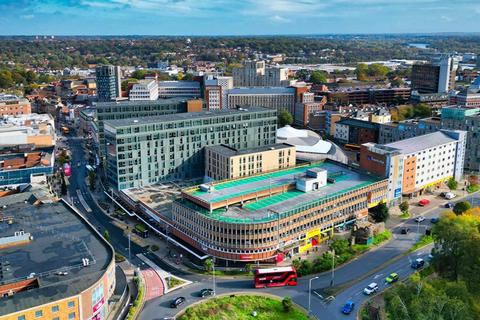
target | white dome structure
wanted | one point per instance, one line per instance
(309, 145)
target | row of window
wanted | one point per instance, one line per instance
(54, 309)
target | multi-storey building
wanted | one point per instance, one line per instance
(108, 83)
(264, 217)
(54, 263)
(144, 151)
(278, 98)
(356, 131)
(179, 89)
(11, 105)
(395, 131)
(223, 162)
(19, 163)
(144, 90)
(435, 77)
(216, 88)
(305, 106)
(134, 109)
(469, 97)
(255, 73)
(415, 164)
(468, 119)
(358, 96)
(36, 130)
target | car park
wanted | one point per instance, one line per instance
(392, 277)
(418, 263)
(206, 293)
(348, 307)
(177, 302)
(420, 219)
(371, 288)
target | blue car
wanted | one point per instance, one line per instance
(434, 220)
(348, 307)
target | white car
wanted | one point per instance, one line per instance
(450, 195)
(419, 219)
(371, 288)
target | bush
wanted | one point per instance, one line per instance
(473, 188)
(287, 304)
(461, 207)
(452, 184)
(154, 247)
(404, 206)
(119, 257)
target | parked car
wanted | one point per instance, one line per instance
(434, 219)
(449, 205)
(392, 277)
(348, 307)
(405, 231)
(449, 195)
(423, 202)
(206, 293)
(420, 219)
(418, 263)
(371, 288)
(177, 302)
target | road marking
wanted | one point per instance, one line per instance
(82, 201)
(378, 276)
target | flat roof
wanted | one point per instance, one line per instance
(166, 101)
(60, 240)
(422, 142)
(229, 151)
(184, 116)
(359, 123)
(262, 90)
(347, 179)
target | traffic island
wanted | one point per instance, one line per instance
(244, 306)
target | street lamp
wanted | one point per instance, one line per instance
(310, 293)
(213, 270)
(333, 268)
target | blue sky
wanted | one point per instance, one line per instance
(236, 17)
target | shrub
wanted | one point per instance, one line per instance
(287, 304)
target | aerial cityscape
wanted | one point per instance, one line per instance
(243, 159)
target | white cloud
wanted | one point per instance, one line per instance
(27, 16)
(280, 19)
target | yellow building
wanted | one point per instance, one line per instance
(223, 162)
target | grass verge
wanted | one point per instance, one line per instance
(137, 303)
(405, 215)
(242, 307)
(173, 282)
(424, 241)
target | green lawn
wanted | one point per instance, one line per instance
(173, 282)
(241, 308)
(424, 240)
(405, 215)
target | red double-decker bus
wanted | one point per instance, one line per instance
(275, 277)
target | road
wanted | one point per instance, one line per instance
(354, 276)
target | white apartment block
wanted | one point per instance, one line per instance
(256, 74)
(144, 90)
(278, 98)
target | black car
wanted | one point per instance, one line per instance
(177, 302)
(405, 231)
(206, 293)
(449, 205)
(418, 263)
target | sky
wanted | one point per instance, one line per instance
(236, 17)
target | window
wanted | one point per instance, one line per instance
(71, 304)
(38, 314)
(56, 318)
(55, 309)
(71, 316)
(22, 317)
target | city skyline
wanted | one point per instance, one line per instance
(238, 17)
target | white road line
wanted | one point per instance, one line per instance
(82, 201)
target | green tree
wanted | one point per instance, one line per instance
(106, 235)
(139, 74)
(340, 246)
(285, 118)
(287, 304)
(404, 206)
(422, 110)
(452, 184)
(248, 267)
(318, 77)
(303, 74)
(380, 212)
(91, 179)
(208, 264)
(377, 70)
(461, 207)
(361, 71)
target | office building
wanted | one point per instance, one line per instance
(467, 119)
(305, 106)
(179, 89)
(434, 100)
(363, 95)
(108, 83)
(416, 164)
(469, 97)
(278, 98)
(143, 151)
(223, 162)
(134, 109)
(356, 131)
(54, 264)
(264, 217)
(216, 88)
(19, 163)
(257, 74)
(437, 76)
(395, 131)
(11, 105)
(144, 90)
